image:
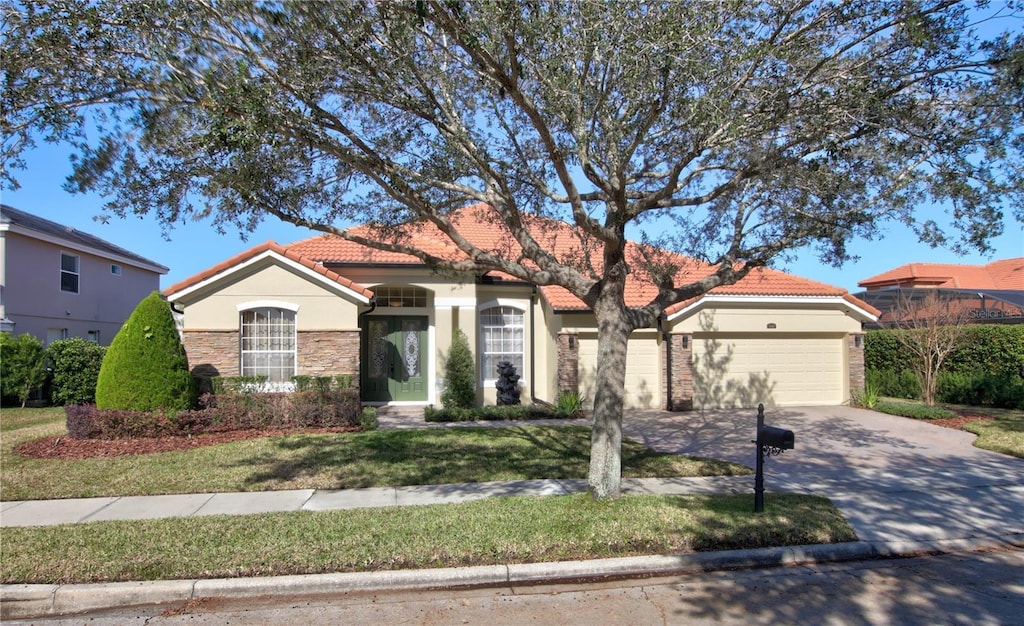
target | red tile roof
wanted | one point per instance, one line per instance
(482, 226)
(1006, 274)
(255, 251)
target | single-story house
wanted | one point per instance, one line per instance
(329, 306)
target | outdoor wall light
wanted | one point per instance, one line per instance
(858, 340)
(572, 342)
(686, 341)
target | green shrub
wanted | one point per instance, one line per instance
(459, 374)
(1001, 390)
(21, 366)
(511, 412)
(915, 411)
(76, 367)
(145, 368)
(368, 419)
(894, 383)
(867, 398)
(569, 404)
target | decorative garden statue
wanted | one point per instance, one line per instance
(507, 384)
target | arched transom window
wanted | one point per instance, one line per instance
(501, 333)
(268, 343)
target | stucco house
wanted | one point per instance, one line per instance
(325, 305)
(57, 282)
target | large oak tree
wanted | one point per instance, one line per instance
(728, 130)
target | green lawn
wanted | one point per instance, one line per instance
(323, 461)
(492, 531)
(1005, 434)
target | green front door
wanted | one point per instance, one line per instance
(394, 359)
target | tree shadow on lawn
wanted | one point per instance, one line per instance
(424, 457)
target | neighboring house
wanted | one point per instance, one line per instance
(57, 282)
(326, 306)
(993, 293)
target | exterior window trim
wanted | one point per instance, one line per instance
(489, 378)
(77, 272)
(293, 351)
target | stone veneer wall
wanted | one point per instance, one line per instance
(320, 353)
(856, 364)
(681, 377)
(568, 363)
(329, 353)
(212, 352)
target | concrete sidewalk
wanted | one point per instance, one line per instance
(79, 510)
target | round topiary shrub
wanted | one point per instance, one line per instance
(145, 368)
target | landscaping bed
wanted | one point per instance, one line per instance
(69, 448)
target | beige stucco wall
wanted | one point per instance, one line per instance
(753, 318)
(320, 306)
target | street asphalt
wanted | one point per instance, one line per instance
(906, 487)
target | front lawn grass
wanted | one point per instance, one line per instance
(326, 461)
(1004, 434)
(482, 532)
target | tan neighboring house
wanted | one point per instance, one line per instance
(992, 293)
(57, 282)
(326, 306)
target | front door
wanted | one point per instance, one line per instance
(395, 350)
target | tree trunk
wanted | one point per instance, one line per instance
(605, 477)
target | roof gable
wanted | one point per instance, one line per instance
(267, 250)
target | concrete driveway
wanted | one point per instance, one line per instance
(893, 478)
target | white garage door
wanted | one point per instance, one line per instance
(778, 370)
(643, 373)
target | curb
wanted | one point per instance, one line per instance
(31, 601)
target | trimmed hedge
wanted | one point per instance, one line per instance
(145, 368)
(334, 408)
(915, 411)
(987, 370)
(516, 412)
(76, 368)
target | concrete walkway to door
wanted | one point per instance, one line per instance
(893, 478)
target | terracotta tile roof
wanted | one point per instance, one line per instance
(481, 225)
(1006, 274)
(255, 251)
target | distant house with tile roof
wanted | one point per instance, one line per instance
(58, 282)
(993, 292)
(326, 306)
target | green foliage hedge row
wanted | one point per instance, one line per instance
(336, 408)
(491, 413)
(987, 370)
(991, 348)
(915, 411)
(76, 368)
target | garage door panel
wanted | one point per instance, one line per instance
(735, 372)
(643, 373)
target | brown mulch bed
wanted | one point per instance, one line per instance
(959, 421)
(68, 448)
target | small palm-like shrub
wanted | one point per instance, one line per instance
(145, 368)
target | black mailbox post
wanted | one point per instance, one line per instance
(770, 441)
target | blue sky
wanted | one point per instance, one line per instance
(196, 246)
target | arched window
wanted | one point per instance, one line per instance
(268, 343)
(501, 333)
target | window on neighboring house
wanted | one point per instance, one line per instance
(501, 332)
(55, 334)
(92, 336)
(68, 272)
(115, 270)
(268, 344)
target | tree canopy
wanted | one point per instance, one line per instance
(730, 131)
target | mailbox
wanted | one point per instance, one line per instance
(778, 438)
